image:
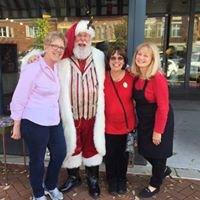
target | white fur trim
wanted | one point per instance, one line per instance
(33, 52)
(82, 26)
(93, 161)
(65, 104)
(99, 126)
(64, 70)
(73, 161)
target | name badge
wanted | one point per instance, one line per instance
(125, 84)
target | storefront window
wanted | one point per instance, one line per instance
(176, 53)
(174, 59)
(195, 57)
(154, 31)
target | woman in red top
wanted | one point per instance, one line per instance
(120, 119)
(155, 115)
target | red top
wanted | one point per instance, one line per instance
(115, 119)
(157, 91)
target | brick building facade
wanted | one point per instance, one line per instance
(20, 32)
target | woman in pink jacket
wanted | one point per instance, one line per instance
(35, 111)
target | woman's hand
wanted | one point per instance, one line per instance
(16, 133)
(33, 58)
(156, 138)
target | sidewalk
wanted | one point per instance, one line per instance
(172, 188)
(185, 165)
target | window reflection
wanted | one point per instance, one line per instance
(195, 57)
(174, 58)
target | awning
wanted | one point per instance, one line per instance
(17, 9)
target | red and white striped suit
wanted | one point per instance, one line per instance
(82, 97)
(84, 89)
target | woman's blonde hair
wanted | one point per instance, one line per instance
(155, 64)
(51, 36)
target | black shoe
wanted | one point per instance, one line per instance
(122, 188)
(70, 183)
(93, 185)
(112, 188)
(146, 192)
(167, 172)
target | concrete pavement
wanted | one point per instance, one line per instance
(185, 164)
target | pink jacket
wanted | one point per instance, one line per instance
(36, 95)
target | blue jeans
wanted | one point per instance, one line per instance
(38, 138)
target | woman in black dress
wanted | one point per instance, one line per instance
(155, 114)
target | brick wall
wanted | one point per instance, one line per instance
(19, 33)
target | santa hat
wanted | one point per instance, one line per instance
(75, 29)
(70, 37)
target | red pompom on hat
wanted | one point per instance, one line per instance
(70, 37)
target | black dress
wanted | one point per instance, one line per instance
(146, 117)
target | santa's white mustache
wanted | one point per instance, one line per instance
(82, 43)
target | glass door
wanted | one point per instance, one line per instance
(195, 57)
(176, 52)
(173, 58)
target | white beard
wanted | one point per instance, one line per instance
(82, 52)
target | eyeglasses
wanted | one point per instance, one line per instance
(56, 47)
(113, 58)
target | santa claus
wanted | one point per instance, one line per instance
(81, 75)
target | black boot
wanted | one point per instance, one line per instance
(122, 187)
(92, 175)
(72, 181)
